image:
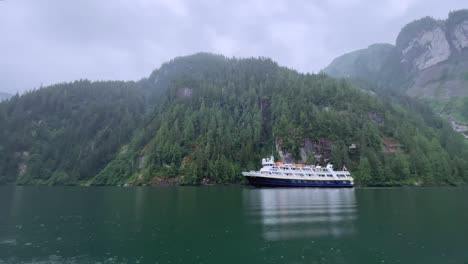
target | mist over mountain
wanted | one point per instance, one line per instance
(429, 61)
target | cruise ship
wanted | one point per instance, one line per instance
(278, 174)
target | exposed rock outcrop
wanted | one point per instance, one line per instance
(428, 49)
(318, 152)
(460, 33)
(423, 43)
(429, 59)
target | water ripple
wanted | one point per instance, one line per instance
(302, 213)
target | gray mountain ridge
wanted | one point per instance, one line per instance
(429, 59)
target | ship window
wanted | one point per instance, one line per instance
(329, 175)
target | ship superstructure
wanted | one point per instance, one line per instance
(298, 175)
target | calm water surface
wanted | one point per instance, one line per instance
(232, 225)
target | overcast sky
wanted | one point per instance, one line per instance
(49, 41)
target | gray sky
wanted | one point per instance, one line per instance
(49, 41)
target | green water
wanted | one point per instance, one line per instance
(232, 225)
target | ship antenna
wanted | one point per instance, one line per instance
(272, 150)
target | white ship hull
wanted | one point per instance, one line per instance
(289, 175)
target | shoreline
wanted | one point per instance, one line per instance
(233, 185)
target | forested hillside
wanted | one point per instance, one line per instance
(206, 118)
(223, 115)
(65, 133)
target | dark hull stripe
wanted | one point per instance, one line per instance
(272, 182)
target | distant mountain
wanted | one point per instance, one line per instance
(4, 96)
(204, 118)
(378, 63)
(429, 60)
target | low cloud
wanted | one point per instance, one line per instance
(49, 41)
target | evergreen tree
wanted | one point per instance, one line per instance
(207, 117)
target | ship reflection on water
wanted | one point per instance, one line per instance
(302, 213)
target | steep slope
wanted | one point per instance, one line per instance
(379, 63)
(65, 133)
(204, 118)
(220, 116)
(429, 61)
(436, 56)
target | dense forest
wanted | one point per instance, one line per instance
(204, 118)
(66, 133)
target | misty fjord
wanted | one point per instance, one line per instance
(233, 131)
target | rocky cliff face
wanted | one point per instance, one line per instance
(423, 43)
(426, 49)
(460, 36)
(432, 59)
